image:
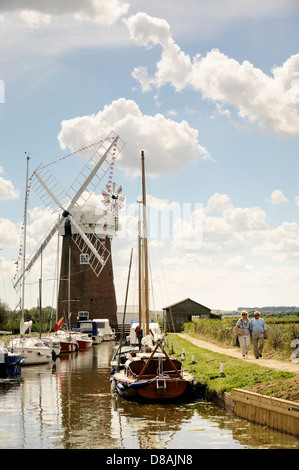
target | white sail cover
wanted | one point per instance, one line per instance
(24, 326)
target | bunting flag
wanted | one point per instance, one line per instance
(109, 184)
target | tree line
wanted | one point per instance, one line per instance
(10, 320)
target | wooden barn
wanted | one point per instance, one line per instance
(175, 315)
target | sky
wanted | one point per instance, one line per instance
(209, 91)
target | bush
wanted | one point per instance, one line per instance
(4, 311)
(219, 330)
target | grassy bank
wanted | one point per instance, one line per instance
(236, 373)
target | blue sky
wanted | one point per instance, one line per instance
(210, 92)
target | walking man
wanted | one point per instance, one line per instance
(258, 333)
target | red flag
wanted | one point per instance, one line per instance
(58, 324)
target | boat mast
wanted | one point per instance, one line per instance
(146, 288)
(69, 294)
(140, 287)
(24, 246)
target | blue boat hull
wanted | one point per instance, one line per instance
(11, 366)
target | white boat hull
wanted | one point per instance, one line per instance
(35, 356)
(32, 349)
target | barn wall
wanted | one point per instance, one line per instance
(176, 315)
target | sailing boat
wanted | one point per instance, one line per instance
(33, 350)
(150, 374)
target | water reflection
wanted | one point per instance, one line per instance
(69, 405)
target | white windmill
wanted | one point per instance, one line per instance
(83, 224)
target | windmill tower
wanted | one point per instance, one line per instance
(86, 271)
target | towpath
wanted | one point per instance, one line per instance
(235, 352)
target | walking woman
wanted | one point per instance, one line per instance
(243, 331)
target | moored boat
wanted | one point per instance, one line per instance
(67, 343)
(32, 349)
(90, 327)
(83, 341)
(152, 376)
(10, 363)
(105, 329)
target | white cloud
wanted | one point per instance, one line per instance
(218, 203)
(8, 233)
(193, 228)
(55, 30)
(168, 145)
(277, 197)
(7, 190)
(35, 19)
(281, 243)
(260, 99)
(245, 219)
(237, 263)
(37, 12)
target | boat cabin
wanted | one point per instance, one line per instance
(105, 329)
(90, 328)
(158, 362)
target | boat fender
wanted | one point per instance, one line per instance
(112, 372)
(138, 384)
(54, 355)
(120, 387)
(112, 385)
(77, 347)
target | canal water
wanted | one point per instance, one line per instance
(68, 405)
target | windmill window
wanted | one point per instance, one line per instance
(84, 258)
